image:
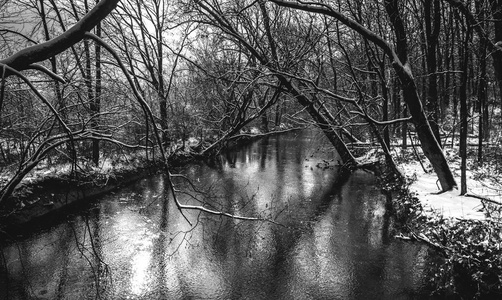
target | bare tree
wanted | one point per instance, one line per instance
(402, 67)
(482, 105)
(432, 19)
(265, 48)
(143, 31)
(26, 59)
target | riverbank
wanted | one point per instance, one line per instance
(50, 192)
(465, 230)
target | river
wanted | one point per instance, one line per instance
(327, 236)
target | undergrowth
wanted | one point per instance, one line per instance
(471, 250)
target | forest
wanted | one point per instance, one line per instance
(92, 85)
(363, 72)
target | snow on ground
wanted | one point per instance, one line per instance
(108, 166)
(451, 204)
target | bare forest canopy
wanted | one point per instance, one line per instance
(84, 83)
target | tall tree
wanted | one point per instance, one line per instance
(142, 30)
(96, 101)
(496, 10)
(483, 132)
(28, 58)
(432, 19)
(464, 63)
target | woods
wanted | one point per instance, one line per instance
(93, 92)
(378, 72)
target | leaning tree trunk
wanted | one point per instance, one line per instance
(322, 122)
(464, 54)
(399, 58)
(429, 144)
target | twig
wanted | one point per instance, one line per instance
(416, 153)
(482, 198)
(220, 213)
(444, 250)
(264, 134)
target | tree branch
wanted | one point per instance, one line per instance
(20, 34)
(382, 123)
(329, 11)
(47, 71)
(23, 59)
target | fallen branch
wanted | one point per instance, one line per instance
(444, 250)
(416, 153)
(482, 198)
(264, 134)
(422, 238)
(224, 214)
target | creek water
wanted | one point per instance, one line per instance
(329, 238)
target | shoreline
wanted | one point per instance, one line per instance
(51, 199)
(465, 231)
(38, 203)
(468, 256)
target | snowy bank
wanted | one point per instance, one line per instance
(481, 184)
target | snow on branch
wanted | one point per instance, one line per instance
(382, 123)
(22, 60)
(47, 71)
(11, 70)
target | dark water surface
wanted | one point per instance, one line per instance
(134, 244)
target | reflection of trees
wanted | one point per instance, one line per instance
(231, 158)
(41, 266)
(158, 262)
(321, 240)
(102, 274)
(13, 282)
(66, 240)
(331, 258)
(263, 153)
(253, 254)
(4, 277)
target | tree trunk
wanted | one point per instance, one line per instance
(54, 69)
(430, 145)
(264, 116)
(496, 7)
(322, 122)
(385, 104)
(432, 33)
(278, 113)
(481, 91)
(404, 129)
(97, 98)
(463, 113)
(428, 141)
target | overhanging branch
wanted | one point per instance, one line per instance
(23, 59)
(381, 123)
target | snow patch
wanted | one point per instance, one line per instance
(451, 204)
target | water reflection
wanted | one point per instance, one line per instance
(135, 244)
